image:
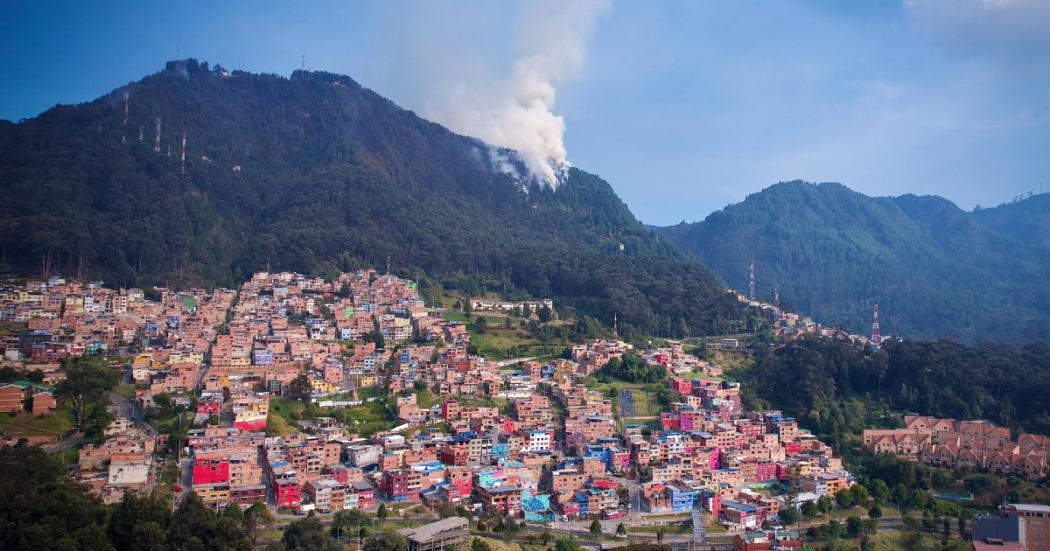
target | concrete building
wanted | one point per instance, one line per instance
(446, 533)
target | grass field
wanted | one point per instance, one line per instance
(499, 342)
(29, 425)
(894, 541)
(365, 419)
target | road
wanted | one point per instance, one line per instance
(512, 361)
(132, 411)
(69, 442)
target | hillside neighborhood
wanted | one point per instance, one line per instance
(395, 410)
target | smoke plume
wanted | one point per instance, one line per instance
(517, 111)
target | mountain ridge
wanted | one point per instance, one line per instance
(316, 173)
(935, 270)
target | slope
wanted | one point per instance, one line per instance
(934, 269)
(315, 173)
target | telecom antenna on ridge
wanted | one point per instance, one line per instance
(124, 125)
(182, 163)
(751, 281)
(876, 335)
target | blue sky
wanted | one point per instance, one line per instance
(683, 107)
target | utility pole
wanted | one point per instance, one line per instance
(751, 280)
(876, 335)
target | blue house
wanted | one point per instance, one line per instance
(683, 498)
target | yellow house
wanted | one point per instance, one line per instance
(213, 496)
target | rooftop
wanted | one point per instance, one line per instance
(433, 530)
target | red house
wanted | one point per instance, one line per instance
(287, 493)
(211, 472)
(670, 421)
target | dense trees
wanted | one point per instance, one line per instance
(308, 534)
(44, 509)
(836, 387)
(934, 269)
(330, 176)
(88, 378)
(632, 369)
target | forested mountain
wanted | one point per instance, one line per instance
(315, 173)
(934, 269)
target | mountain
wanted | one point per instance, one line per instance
(934, 269)
(315, 173)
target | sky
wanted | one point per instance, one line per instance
(683, 107)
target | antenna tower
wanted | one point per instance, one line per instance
(876, 336)
(182, 164)
(751, 281)
(156, 136)
(124, 125)
(776, 295)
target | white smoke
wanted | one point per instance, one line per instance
(518, 113)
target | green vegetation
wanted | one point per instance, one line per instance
(632, 369)
(934, 269)
(838, 388)
(365, 419)
(44, 509)
(31, 425)
(87, 380)
(348, 180)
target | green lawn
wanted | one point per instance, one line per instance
(365, 418)
(29, 425)
(670, 529)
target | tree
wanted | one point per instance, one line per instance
(194, 526)
(825, 505)
(789, 515)
(879, 490)
(386, 541)
(134, 512)
(257, 516)
(299, 389)
(660, 531)
(875, 512)
(596, 527)
(844, 498)
(382, 513)
(545, 314)
(97, 420)
(567, 544)
(347, 523)
(308, 534)
(810, 509)
(859, 493)
(87, 380)
(854, 526)
(621, 530)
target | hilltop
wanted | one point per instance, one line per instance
(315, 173)
(934, 269)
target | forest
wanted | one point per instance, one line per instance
(838, 387)
(934, 269)
(316, 174)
